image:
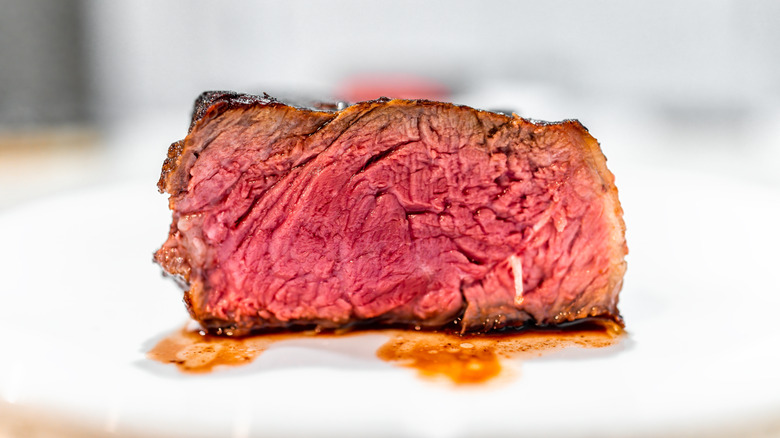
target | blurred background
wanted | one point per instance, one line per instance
(92, 92)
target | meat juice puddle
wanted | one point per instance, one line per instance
(439, 355)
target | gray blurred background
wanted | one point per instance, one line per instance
(93, 91)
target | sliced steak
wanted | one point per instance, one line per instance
(389, 212)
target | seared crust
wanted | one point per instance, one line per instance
(170, 163)
(211, 104)
(208, 105)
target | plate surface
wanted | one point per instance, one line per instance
(82, 303)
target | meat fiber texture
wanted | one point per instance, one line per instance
(389, 212)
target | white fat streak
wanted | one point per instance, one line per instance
(517, 271)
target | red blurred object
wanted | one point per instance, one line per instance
(402, 86)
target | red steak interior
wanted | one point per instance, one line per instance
(390, 211)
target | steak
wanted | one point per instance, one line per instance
(388, 212)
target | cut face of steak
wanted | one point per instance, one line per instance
(389, 212)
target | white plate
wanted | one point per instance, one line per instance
(81, 303)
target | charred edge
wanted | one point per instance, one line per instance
(542, 123)
(174, 152)
(205, 101)
(225, 100)
(455, 326)
(592, 323)
(222, 328)
(213, 103)
(225, 328)
(232, 99)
